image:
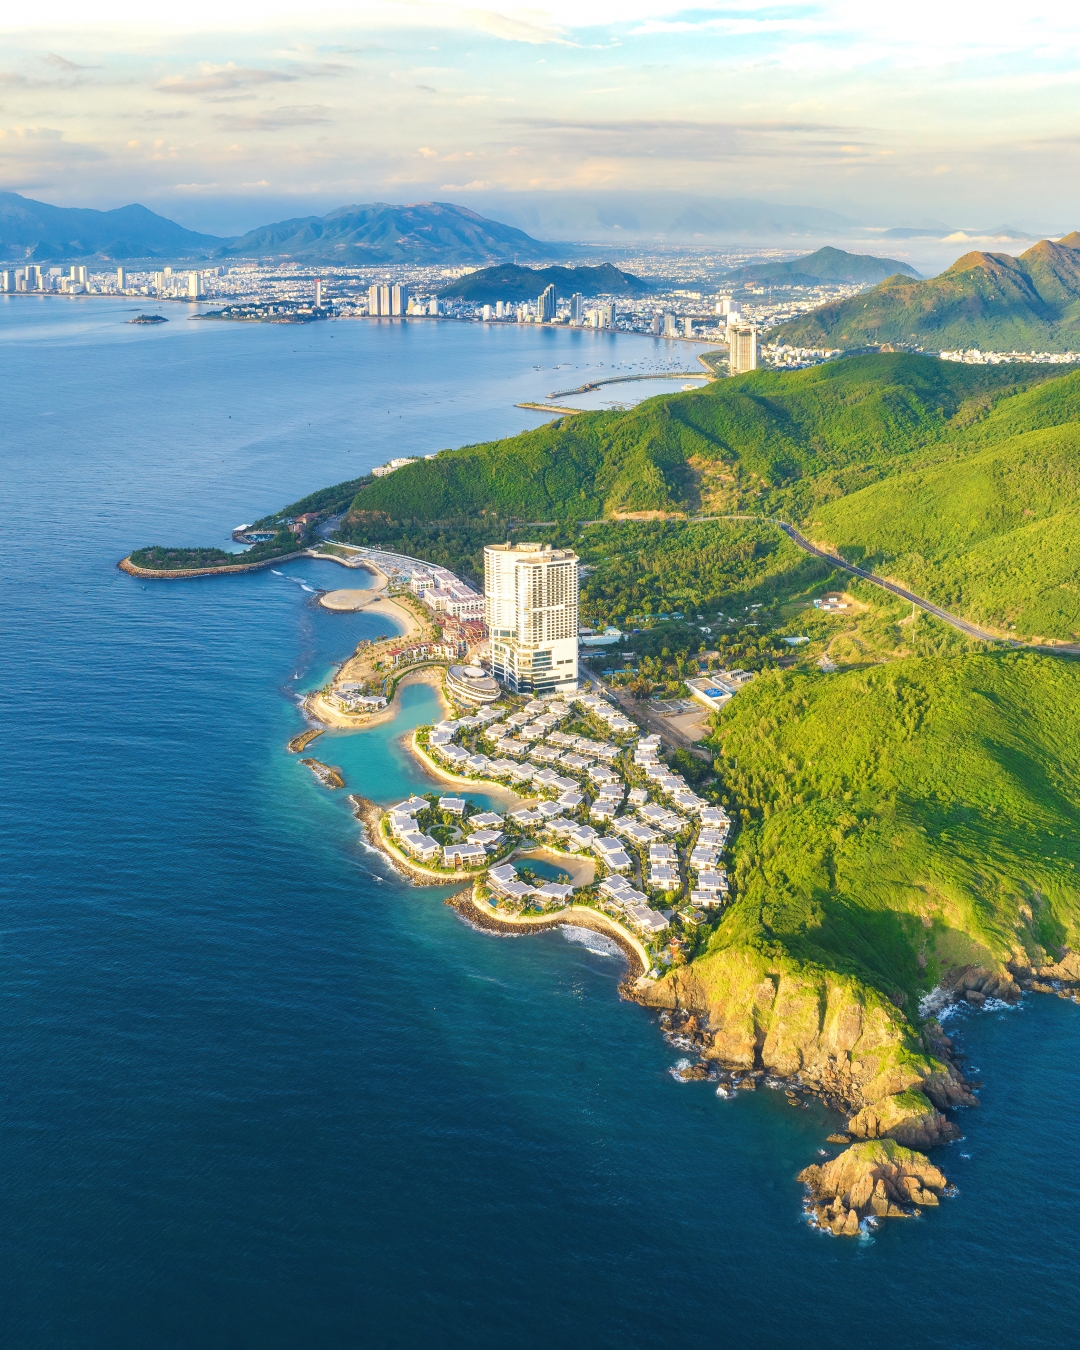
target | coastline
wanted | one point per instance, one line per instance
(370, 817)
(315, 706)
(580, 916)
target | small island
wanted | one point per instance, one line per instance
(149, 318)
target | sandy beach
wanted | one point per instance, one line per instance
(317, 707)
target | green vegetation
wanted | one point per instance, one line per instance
(160, 559)
(826, 264)
(905, 819)
(890, 457)
(988, 300)
(326, 502)
(514, 283)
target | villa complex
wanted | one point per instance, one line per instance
(593, 787)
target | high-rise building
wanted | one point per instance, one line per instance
(688, 328)
(159, 280)
(7, 279)
(373, 299)
(654, 327)
(608, 314)
(121, 278)
(500, 309)
(670, 326)
(318, 293)
(194, 287)
(384, 299)
(545, 305)
(399, 300)
(742, 348)
(531, 607)
(433, 305)
(577, 308)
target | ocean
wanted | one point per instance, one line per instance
(255, 1090)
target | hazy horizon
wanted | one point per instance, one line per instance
(535, 116)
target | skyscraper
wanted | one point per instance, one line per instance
(399, 300)
(384, 299)
(531, 605)
(318, 293)
(121, 278)
(688, 328)
(577, 308)
(545, 305)
(433, 305)
(670, 329)
(194, 287)
(373, 299)
(7, 279)
(742, 348)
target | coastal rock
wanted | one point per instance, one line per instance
(841, 1038)
(977, 983)
(879, 1178)
(908, 1117)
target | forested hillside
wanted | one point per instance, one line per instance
(961, 481)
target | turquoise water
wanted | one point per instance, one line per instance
(256, 1091)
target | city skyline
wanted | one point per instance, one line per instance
(223, 122)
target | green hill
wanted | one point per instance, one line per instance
(513, 283)
(960, 481)
(987, 300)
(903, 825)
(827, 264)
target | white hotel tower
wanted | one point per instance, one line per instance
(531, 603)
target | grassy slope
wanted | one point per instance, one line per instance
(994, 537)
(900, 821)
(912, 811)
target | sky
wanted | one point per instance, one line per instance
(228, 116)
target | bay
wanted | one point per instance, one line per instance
(257, 1091)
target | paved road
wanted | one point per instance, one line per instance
(963, 625)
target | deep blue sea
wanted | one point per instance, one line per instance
(255, 1091)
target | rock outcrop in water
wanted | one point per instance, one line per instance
(879, 1179)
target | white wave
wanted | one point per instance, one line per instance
(724, 1091)
(676, 1070)
(305, 587)
(590, 940)
(276, 573)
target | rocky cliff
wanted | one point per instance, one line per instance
(833, 1033)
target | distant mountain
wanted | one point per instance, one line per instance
(827, 264)
(989, 300)
(425, 233)
(37, 232)
(514, 283)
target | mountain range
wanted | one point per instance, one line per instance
(424, 233)
(427, 232)
(988, 300)
(37, 232)
(827, 264)
(515, 283)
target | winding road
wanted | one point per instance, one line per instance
(964, 625)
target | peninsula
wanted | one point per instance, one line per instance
(894, 803)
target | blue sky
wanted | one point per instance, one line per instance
(889, 115)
